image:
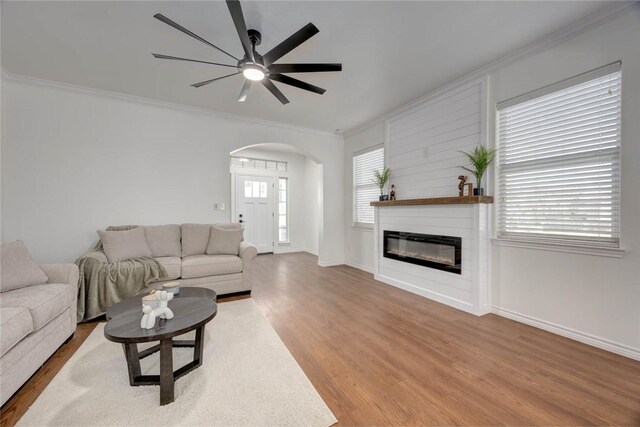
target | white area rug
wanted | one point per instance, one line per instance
(248, 378)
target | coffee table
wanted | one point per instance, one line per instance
(193, 308)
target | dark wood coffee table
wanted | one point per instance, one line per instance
(193, 308)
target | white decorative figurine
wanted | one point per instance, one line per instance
(148, 319)
(162, 311)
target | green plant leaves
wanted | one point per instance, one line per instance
(480, 158)
(381, 178)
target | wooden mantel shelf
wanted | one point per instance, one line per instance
(455, 200)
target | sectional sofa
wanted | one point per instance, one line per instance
(37, 314)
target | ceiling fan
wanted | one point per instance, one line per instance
(253, 66)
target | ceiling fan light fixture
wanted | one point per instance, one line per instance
(253, 74)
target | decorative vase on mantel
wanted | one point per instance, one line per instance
(478, 191)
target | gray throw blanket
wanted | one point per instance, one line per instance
(102, 284)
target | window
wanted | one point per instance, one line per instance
(364, 190)
(255, 189)
(283, 232)
(247, 163)
(559, 162)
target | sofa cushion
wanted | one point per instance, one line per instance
(224, 241)
(195, 238)
(163, 240)
(18, 268)
(172, 264)
(210, 265)
(124, 245)
(44, 302)
(15, 323)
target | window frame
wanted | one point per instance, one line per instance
(354, 223)
(286, 214)
(560, 242)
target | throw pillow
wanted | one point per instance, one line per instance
(195, 238)
(230, 226)
(163, 240)
(17, 268)
(224, 241)
(124, 245)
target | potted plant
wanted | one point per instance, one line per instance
(480, 158)
(381, 179)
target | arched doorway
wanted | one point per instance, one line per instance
(276, 192)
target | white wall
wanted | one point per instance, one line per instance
(358, 240)
(594, 296)
(75, 160)
(424, 143)
(594, 299)
(312, 205)
(303, 179)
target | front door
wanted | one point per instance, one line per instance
(254, 198)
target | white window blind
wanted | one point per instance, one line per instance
(364, 190)
(559, 162)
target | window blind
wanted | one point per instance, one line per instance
(364, 190)
(559, 162)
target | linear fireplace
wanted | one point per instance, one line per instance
(439, 252)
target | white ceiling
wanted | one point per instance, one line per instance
(392, 52)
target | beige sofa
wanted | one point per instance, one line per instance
(35, 320)
(119, 265)
(189, 264)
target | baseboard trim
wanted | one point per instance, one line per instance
(592, 340)
(288, 250)
(359, 266)
(330, 263)
(232, 294)
(435, 296)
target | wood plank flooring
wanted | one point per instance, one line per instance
(382, 356)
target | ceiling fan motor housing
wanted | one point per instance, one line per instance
(255, 37)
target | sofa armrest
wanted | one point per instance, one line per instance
(61, 273)
(247, 252)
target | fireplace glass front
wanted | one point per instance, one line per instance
(439, 252)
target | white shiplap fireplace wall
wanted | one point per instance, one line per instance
(423, 147)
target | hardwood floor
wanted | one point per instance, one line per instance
(381, 356)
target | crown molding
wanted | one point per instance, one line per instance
(8, 76)
(608, 13)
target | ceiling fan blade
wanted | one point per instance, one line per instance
(245, 91)
(295, 40)
(296, 83)
(274, 90)
(235, 9)
(176, 58)
(179, 27)
(206, 82)
(304, 68)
